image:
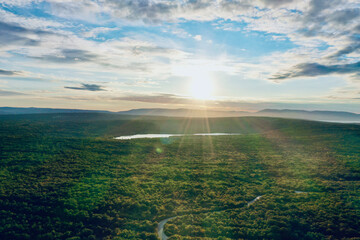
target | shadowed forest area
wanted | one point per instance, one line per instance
(63, 176)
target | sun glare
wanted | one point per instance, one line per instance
(201, 81)
(201, 88)
(201, 85)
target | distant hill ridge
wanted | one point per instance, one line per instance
(34, 110)
(312, 115)
(183, 112)
(306, 111)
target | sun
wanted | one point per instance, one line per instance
(201, 79)
(201, 85)
(201, 88)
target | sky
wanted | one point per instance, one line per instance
(238, 55)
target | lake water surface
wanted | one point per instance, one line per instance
(165, 135)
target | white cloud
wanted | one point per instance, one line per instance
(95, 31)
(19, 2)
(198, 37)
(29, 22)
(325, 32)
(80, 9)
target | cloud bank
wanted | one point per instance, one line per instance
(315, 69)
(88, 87)
(131, 41)
(8, 73)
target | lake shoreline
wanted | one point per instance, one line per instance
(168, 135)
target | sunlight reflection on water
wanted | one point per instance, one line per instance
(138, 136)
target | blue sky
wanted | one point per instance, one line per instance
(231, 54)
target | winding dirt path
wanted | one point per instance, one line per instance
(160, 228)
(161, 225)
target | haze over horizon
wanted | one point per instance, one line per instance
(221, 54)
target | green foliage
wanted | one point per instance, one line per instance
(64, 177)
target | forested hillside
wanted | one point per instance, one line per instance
(63, 176)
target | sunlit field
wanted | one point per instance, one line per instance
(179, 120)
(64, 176)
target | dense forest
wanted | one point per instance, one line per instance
(64, 176)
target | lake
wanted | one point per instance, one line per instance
(167, 135)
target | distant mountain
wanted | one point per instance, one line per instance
(310, 115)
(183, 112)
(283, 113)
(31, 110)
